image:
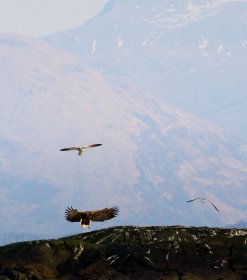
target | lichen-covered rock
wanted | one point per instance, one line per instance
(131, 253)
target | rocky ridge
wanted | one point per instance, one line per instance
(129, 252)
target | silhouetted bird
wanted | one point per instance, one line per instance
(80, 149)
(85, 217)
(204, 200)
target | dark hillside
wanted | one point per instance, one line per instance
(131, 253)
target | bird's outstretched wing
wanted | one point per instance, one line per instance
(90, 146)
(214, 206)
(72, 215)
(103, 214)
(195, 199)
(71, 149)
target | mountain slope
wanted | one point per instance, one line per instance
(153, 158)
(192, 55)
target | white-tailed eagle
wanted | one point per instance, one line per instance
(85, 217)
(80, 149)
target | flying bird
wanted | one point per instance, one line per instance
(204, 200)
(85, 217)
(80, 149)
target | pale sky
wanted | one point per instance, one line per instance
(43, 17)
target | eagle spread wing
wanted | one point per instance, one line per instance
(103, 214)
(73, 215)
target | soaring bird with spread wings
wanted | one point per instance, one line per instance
(80, 149)
(85, 218)
(204, 200)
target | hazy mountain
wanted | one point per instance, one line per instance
(154, 157)
(191, 53)
(240, 224)
(12, 237)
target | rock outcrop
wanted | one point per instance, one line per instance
(131, 253)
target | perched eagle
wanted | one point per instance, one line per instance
(204, 200)
(80, 149)
(85, 217)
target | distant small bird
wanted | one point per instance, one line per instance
(85, 218)
(80, 149)
(204, 200)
